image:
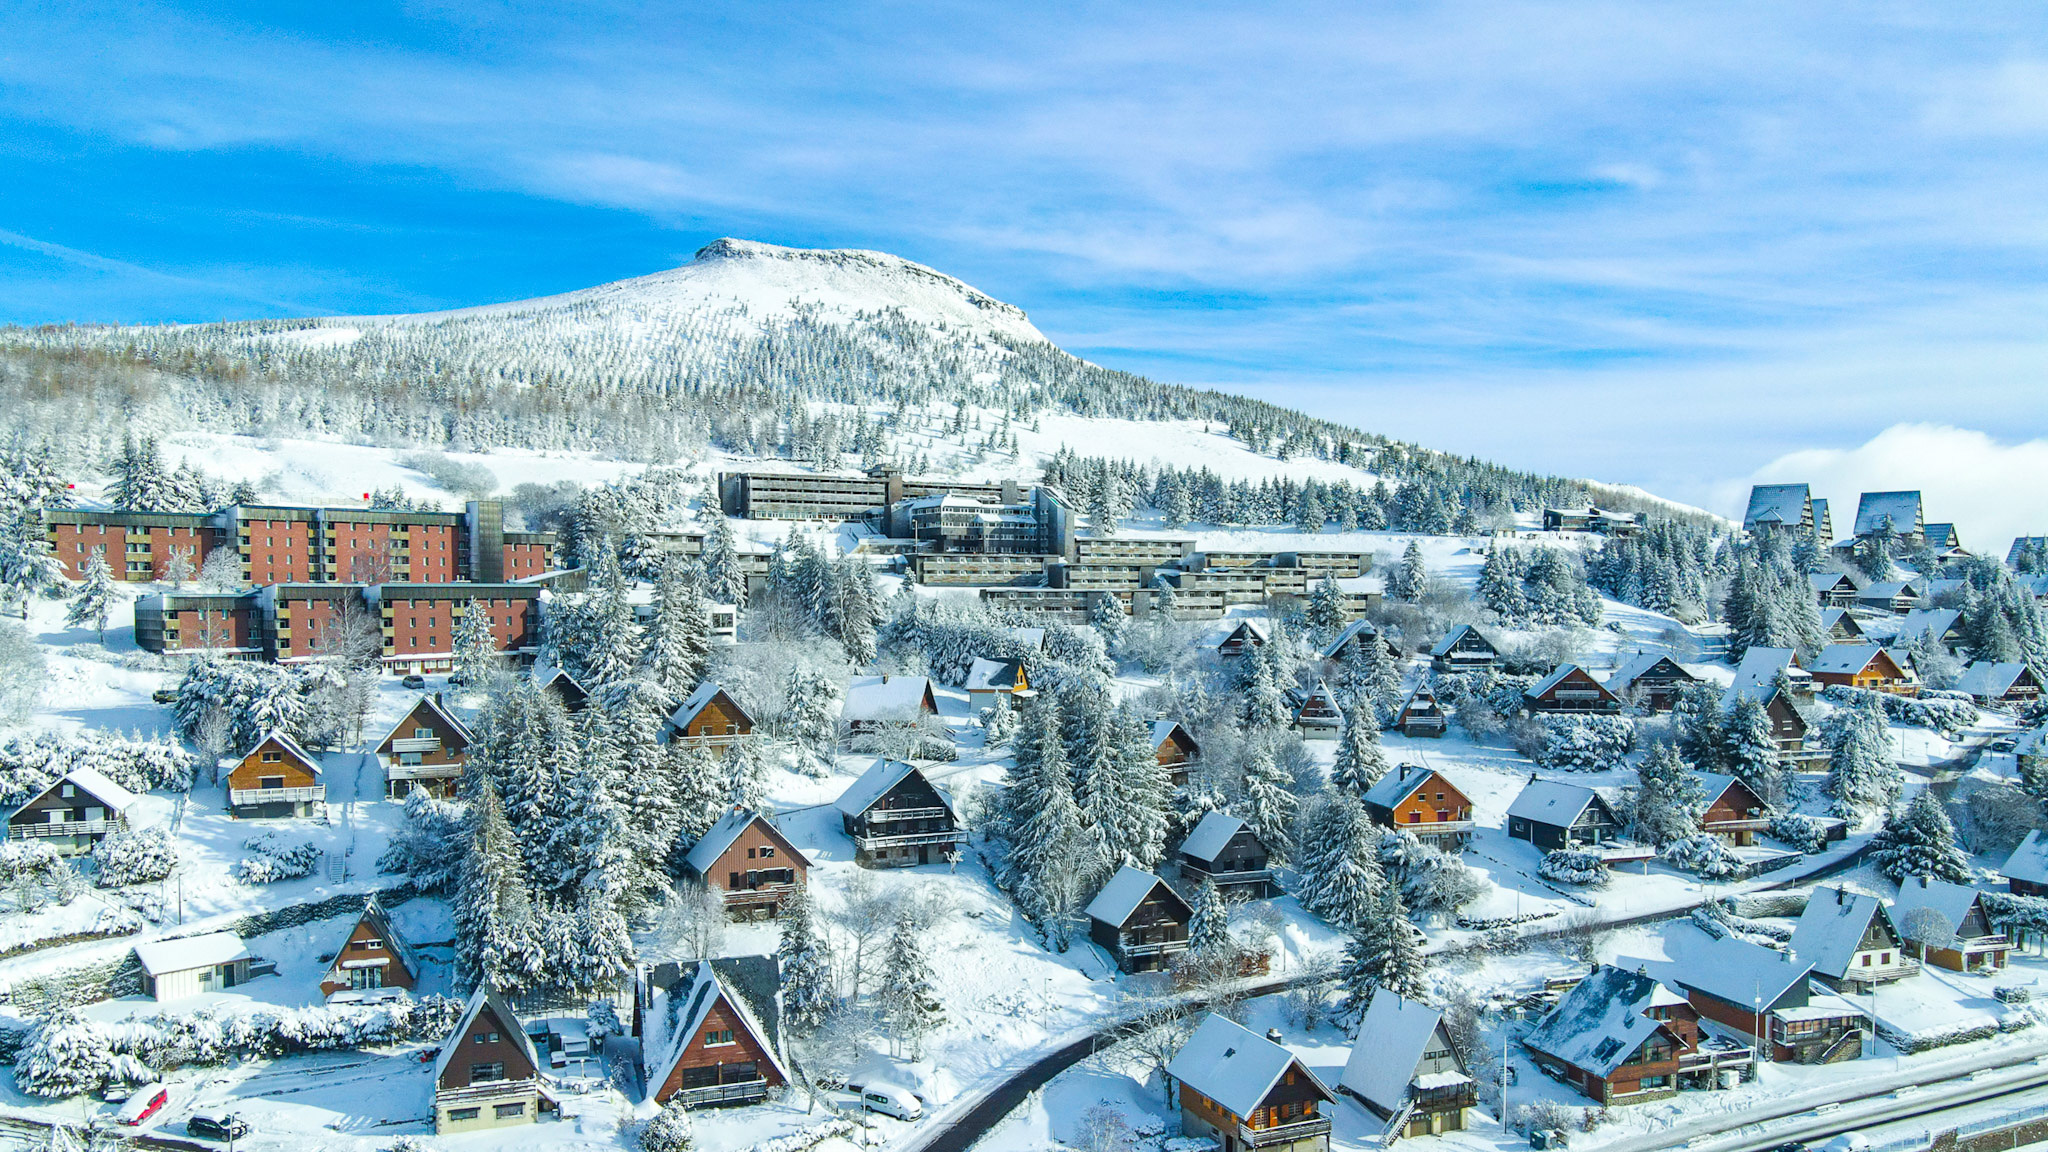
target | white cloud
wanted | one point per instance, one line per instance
(1990, 491)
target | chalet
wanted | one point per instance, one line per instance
(192, 965)
(988, 681)
(1897, 597)
(1224, 849)
(1862, 666)
(1823, 522)
(1850, 940)
(709, 718)
(1761, 994)
(1421, 714)
(373, 955)
(874, 703)
(1943, 540)
(1139, 921)
(556, 682)
(1651, 679)
(1244, 1092)
(1841, 626)
(709, 1032)
(1551, 815)
(1248, 634)
(897, 818)
(1971, 945)
(427, 748)
(1778, 508)
(1621, 1037)
(1175, 748)
(1355, 637)
(1897, 513)
(487, 1075)
(1406, 1070)
(1316, 715)
(2000, 682)
(1835, 589)
(275, 778)
(1593, 519)
(1421, 801)
(752, 864)
(1734, 811)
(1465, 649)
(73, 813)
(1942, 622)
(1764, 675)
(1570, 689)
(2026, 870)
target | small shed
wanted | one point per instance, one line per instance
(193, 965)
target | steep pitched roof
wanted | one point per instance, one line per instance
(1450, 640)
(1391, 1040)
(1162, 729)
(1736, 971)
(1823, 524)
(1396, 786)
(1783, 505)
(1640, 665)
(1986, 678)
(1252, 629)
(1829, 581)
(699, 699)
(1715, 784)
(380, 922)
(1831, 618)
(291, 746)
(2028, 862)
(678, 1012)
(1602, 1021)
(432, 705)
(898, 699)
(507, 1019)
(1757, 675)
(986, 675)
(1902, 507)
(728, 829)
(1124, 892)
(1211, 835)
(1942, 536)
(1845, 659)
(1233, 1065)
(1833, 923)
(875, 783)
(1951, 901)
(1557, 676)
(1357, 629)
(1552, 802)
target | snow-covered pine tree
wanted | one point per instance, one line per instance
(1750, 750)
(725, 581)
(807, 998)
(1209, 929)
(1358, 971)
(697, 780)
(476, 658)
(1325, 613)
(1932, 661)
(858, 608)
(1410, 576)
(813, 719)
(628, 716)
(1669, 797)
(910, 1005)
(612, 650)
(1269, 802)
(747, 776)
(1121, 789)
(1339, 866)
(1862, 776)
(1500, 584)
(494, 922)
(95, 599)
(679, 636)
(27, 570)
(1919, 840)
(1399, 966)
(1360, 760)
(1263, 704)
(1696, 723)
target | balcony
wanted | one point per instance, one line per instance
(1196, 872)
(881, 815)
(240, 796)
(426, 744)
(1305, 1129)
(949, 837)
(1715, 1058)
(422, 771)
(765, 894)
(1438, 827)
(739, 1092)
(1154, 948)
(65, 828)
(485, 1091)
(711, 739)
(1753, 824)
(1446, 1098)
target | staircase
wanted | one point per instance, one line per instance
(337, 867)
(1397, 1125)
(1840, 1049)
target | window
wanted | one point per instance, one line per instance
(752, 852)
(717, 1036)
(486, 1038)
(458, 1115)
(1866, 959)
(767, 852)
(70, 790)
(273, 757)
(366, 945)
(270, 782)
(479, 1073)
(423, 733)
(507, 1111)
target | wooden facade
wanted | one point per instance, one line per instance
(1422, 801)
(487, 1075)
(1177, 750)
(709, 719)
(275, 778)
(73, 813)
(427, 749)
(371, 957)
(910, 823)
(1144, 935)
(752, 864)
(1734, 811)
(1570, 689)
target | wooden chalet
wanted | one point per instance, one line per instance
(989, 681)
(898, 818)
(1779, 508)
(875, 703)
(1551, 814)
(1621, 1037)
(1851, 941)
(709, 1032)
(1422, 801)
(1900, 513)
(709, 718)
(571, 695)
(487, 1075)
(372, 956)
(1734, 811)
(1175, 748)
(73, 813)
(1406, 1070)
(1244, 1092)
(1140, 921)
(1316, 715)
(1570, 689)
(1867, 666)
(1897, 597)
(1224, 849)
(1421, 714)
(1841, 626)
(427, 749)
(1767, 998)
(1651, 680)
(1835, 589)
(2026, 870)
(1944, 623)
(754, 867)
(1765, 676)
(275, 778)
(1355, 637)
(1973, 945)
(2000, 682)
(1248, 634)
(1465, 649)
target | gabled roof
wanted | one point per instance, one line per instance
(380, 922)
(1211, 836)
(1941, 536)
(891, 698)
(1234, 1066)
(2021, 544)
(507, 1019)
(1251, 629)
(1832, 617)
(90, 781)
(1557, 676)
(1552, 802)
(1396, 786)
(875, 783)
(434, 706)
(1602, 1021)
(160, 957)
(2032, 742)
(1829, 581)
(2028, 862)
(1444, 646)
(1902, 507)
(1391, 1040)
(1757, 675)
(1739, 972)
(1845, 659)
(1952, 901)
(699, 699)
(1421, 697)
(1356, 629)
(1716, 784)
(1823, 524)
(676, 1015)
(1124, 892)
(291, 746)
(1162, 729)
(986, 675)
(1986, 678)
(707, 850)
(1640, 665)
(1782, 505)
(1833, 923)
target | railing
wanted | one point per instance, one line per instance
(754, 1089)
(1626, 853)
(1746, 824)
(886, 815)
(485, 1090)
(423, 771)
(1715, 1058)
(66, 828)
(1284, 1133)
(1155, 948)
(909, 839)
(1246, 876)
(317, 792)
(1464, 1095)
(1434, 827)
(761, 895)
(1987, 943)
(710, 740)
(417, 744)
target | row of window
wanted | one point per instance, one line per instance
(501, 1111)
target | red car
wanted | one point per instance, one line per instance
(147, 1101)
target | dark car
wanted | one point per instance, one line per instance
(415, 682)
(165, 695)
(216, 1126)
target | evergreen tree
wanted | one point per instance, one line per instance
(476, 649)
(1360, 761)
(725, 581)
(909, 1004)
(1399, 966)
(1932, 662)
(1269, 804)
(1919, 840)
(494, 923)
(1107, 617)
(858, 609)
(697, 781)
(807, 998)
(671, 1130)
(1121, 788)
(1263, 704)
(1410, 576)
(1326, 611)
(1696, 723)
(1862, 776)
(96, 597)
(628, 716)
(678, 638)
(1669, 797)
(1500, 584)
(1750, 750)
(1339, 868)
(813, 719)
(747, 777)
(1209, 930)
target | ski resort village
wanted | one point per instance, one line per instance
(787, 704)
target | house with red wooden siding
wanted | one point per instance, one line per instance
(1621, 1037)
(1734, 811)
(1175, 749)
(750, 862)
(709, 1035)
(427, 748)
(275, 778)
(1570, 689)
(487, 1075)
(371, 956)
(1422, 801)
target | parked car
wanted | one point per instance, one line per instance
(216, 1126)
(415, 681)
(147, 1101)
(2005, 744)
(890, 1101)
(165, 695)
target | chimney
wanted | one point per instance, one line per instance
(1841, 897)
(1273, 1034)
(1786, 955)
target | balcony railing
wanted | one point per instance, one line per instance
(1154, 948)
(417, 744)
(1987, 943)
(1284, 1133)
(766, 893)
(1225, 876)
(711, 739)
(423, 771)
(1715, 1058)
(1750, 824)
(241, 796)
(485, 1091)
(881, 815)
(909, 839)
(65, 828)
(1465, 1095)
(743, 1090)
(1437, 827)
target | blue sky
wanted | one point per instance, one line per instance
(1650, 243)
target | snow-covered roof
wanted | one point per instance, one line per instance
(722, 834)
(93, 783)
(1902, 507)
(1029, 637)
(1832, 925)
(1421, 697)
(1162, 729)
(1122, 895)
(507, 1019)
(1823, 525)
(433, 705)
(2028, 862)
(1211, 835)
(1551, 802)
(1829, 617)
(160, 957)
(676, 1016)
(1952, 901)
(1392, 1037)
(1637, 666)
(1844, 659)
(1739, 972)
(893, 698)
(1444, 646)
(1784, 505)
(876, 782)
(284, 740)
(1888, 590)
(380, 922)
(1602, 1020)
(1251, 628)
(1713, 784)
(1396, 786)
(1233, 1065)
(1829, 581)
(696, 702)
(1556, 676)
(986, 675)
(1356, 628)
(1756, 676)
(1988, 678)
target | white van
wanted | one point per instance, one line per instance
(890, 1101)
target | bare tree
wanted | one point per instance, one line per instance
(692, 923)
(221, 571)
(869, 912)
(1926, 928)
(1160, 1023)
